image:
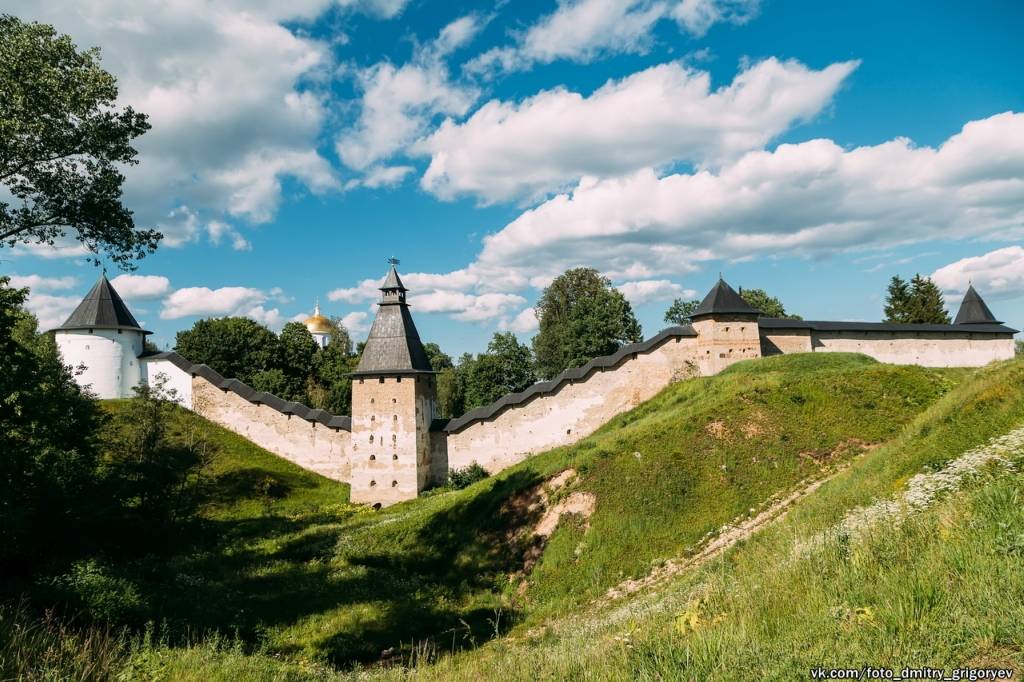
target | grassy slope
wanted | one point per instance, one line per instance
(944, 589)
(311, 578)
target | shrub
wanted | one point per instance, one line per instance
(466, 476)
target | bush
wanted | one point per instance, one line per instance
(466, 476)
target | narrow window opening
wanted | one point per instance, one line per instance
(371, 439)
(394, 457)
(394, 437)
(394, 484)
(360, 381)
(399, 379)
(394, 417)
(394, 400)
(373, 484)
(373, 457)
(381, 380)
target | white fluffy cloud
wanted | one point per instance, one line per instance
(468, 307)
(697, 16)
(221, 83)
(141, 287)
(356, 323)
(648, 290)
(523, 323)
(996, 274)
(399, 102)
(809, 198)
(50, 310)
(218, 302)
(40, 283)
(584, 30)
(664, 114)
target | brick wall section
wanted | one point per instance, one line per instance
(571, 413)
(309, 444)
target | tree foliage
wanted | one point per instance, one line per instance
(680, 310)
(506, 367)
(770, 306)
(234, 346)
(581, 317)
(63, 140)
(919, 302)
(48, 448)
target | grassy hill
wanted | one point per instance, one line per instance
(286, 580)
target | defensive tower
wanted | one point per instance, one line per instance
(727, 329)
(394, 401)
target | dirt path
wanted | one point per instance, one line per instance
(735, 532)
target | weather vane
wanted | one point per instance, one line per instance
(394, 261)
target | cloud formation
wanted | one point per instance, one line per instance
(813, 198)
(649, 290)
(399, 102)
(225, 301)
(996, 274)
(40, 283)
(664, 114)
(585, 30)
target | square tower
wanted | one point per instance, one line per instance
(394, 401)
(727, 329)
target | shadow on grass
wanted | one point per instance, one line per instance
(434, 580)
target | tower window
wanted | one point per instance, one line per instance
(394, 417)
(394, 457)
(371, 399)
(373, 418)
(373, 457)
(399, 379)
(394, 484)
(394, 400)
(381, 380)
(373, 484)
(371, 438)
(394, 437)
(360, 381)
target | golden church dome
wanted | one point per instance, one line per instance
(318, 324)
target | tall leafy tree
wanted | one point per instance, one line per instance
(330, 387)
(234, 346)
(680, 310)
(340, 336)
(63, 141)
(506, 367)
(927, 304)
(897, 300)
(581, 317)
(439, 360)
(917, 302)
(770, 306)
(296, 359)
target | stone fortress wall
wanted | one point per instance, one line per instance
(395, 446)
(313, 439)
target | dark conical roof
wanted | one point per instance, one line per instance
(393, 346)
(393, 281)
(102, 308)
(973, 310)
(723, 299)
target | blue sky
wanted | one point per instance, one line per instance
(811, 149)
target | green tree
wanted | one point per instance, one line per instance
(919, 302)
(581, 317)
(331, 386)
(147, 467)
(63, 140)
(897, 300)
(680, 310)
(769, 306)
(439, 360)
(1019, 348)
(927, 305)
(48, 449)
(297, 350)
(236, 347)
(506, 367)
(340, 336)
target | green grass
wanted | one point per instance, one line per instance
(299, 582)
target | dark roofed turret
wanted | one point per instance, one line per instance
(102, 308)
(393, 346)
(723, 300)
(973, 310)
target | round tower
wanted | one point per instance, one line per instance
(102, 337)
(319, 326)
